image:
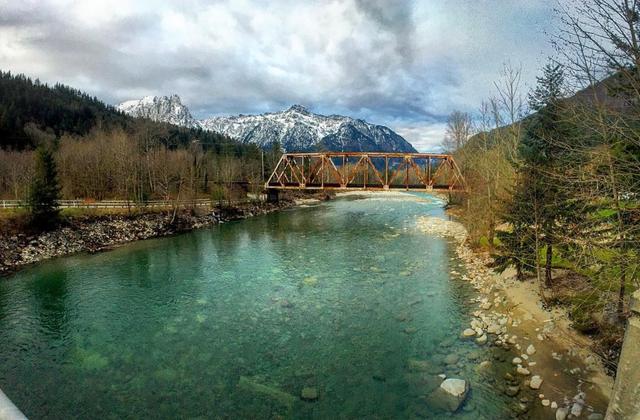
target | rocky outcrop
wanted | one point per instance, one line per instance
(93, 234)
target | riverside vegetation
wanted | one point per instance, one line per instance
(556, 194)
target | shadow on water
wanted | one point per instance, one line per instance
(51, 302)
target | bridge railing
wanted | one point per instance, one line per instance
(367, 170)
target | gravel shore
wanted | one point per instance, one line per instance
(97, 233)
(551, 359)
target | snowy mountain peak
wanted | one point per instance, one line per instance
(160, 108)
(300, 109)
(296, 128)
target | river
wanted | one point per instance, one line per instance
(345, 298)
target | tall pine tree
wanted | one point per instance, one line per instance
(539, 150)
(45, 190)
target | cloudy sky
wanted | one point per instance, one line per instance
(404, 64)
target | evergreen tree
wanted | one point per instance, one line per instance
(540, 150)
(45, 190)
(518, 245)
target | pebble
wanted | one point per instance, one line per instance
(546, 403)
(482, 339)
(531, 350)
(516, 361)
(468, 333)
(523, 371)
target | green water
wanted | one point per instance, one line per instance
(234, 321)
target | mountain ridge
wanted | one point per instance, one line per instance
(295, 128)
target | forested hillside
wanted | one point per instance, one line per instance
(31, 111)
(554, 175)
(102, 153)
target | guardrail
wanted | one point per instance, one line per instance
(200, 202)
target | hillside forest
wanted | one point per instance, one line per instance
(553, 174)
(101, 153)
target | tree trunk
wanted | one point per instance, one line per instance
(547, 273)
(623, 282)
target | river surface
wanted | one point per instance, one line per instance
(346, 297)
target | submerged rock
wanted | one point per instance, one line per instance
(249, 385)
(309, 394)
(310, 281)
(451, 359)
(512, 390)
(416, 365)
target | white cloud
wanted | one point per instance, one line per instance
(404, 64)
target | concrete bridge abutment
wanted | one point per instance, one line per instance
(625, 399)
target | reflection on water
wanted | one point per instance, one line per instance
(345, 300)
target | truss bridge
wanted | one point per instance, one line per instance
(376, 171)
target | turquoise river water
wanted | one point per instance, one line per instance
(235, 321)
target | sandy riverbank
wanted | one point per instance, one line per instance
(551, 359)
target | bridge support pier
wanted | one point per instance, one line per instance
(272, 195)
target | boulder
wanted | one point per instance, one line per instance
(576, 409)
(536, 382)
(562, 413)
(450, 395)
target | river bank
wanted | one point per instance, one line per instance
(555, 374)
(94, 233)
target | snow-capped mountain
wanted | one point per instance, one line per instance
(296, 129)
(160, 108)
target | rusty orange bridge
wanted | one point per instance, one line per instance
(366, 171)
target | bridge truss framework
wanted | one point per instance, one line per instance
(366, 171)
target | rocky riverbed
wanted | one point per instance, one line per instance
(97, 233)
(554, 373)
